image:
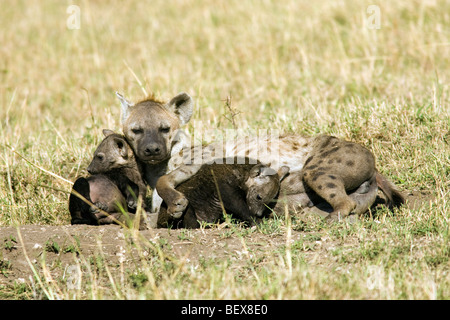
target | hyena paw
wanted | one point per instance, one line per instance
(95, 209)
(177, 207)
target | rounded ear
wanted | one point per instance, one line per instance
(255, 171)
(268, 171)
(125, 106)
(107, 132)
(183, 107)
(283, 172)
(120, 144)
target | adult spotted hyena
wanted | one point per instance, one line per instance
(329, 176)
(324, 170)
(152, 128)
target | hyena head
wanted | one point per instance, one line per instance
(151, 127)
(263, 186)
(113, 152)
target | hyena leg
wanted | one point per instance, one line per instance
(310, 203)
(331, 188)
(365, 195)
(175, 200)
(131, 192)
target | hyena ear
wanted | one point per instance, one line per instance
(261, 170)
(283, 172)
(107, 132)
(255, 171)
(125, 106)
(122, 148)
(267, 171)
(183, 106)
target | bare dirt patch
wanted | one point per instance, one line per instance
(53, 249)
(59, 246)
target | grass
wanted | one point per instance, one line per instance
(287, 65)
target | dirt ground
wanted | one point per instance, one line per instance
(59, 246)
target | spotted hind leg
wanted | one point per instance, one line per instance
(331, 188)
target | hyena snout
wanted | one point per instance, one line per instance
(152, 149)
(97, 163)
(260, 197)
(263, 188)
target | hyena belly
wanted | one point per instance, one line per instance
(79, 208)
(105, 196)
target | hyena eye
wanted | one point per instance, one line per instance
(164, 129)
(136, 130)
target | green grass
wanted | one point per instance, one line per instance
(287, 65)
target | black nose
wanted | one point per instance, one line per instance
(152, 150)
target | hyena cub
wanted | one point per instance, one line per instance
(246, 192)
(114, 185)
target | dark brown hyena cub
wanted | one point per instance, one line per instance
(114, 185)
(246, 191)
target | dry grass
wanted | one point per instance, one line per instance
(289, 65)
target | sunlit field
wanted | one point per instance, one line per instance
(376, 73)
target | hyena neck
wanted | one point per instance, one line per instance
(138, 166)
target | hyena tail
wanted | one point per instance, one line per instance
(394, 197)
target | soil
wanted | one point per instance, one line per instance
(59, 246)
